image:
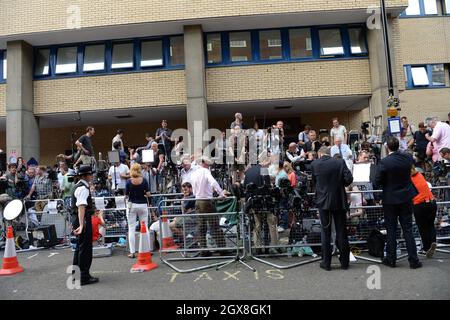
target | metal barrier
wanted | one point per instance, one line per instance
(115, 215)
(48, 212)
(363, 219)
(199, 232)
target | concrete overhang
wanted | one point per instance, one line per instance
(261, 21)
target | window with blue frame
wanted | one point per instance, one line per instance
(151, 54)
(422, 8)
(42, 62)
(214, 48)
(122, 56)
(177, 50)
(94, 58)
(240, 46)
(66, 60)
(425, 76)
(300, 43)
(446, 7)
(3, 66)
(331, 43)
(270, 45)
(357, 41)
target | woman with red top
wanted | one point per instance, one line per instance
(98, 227)
(424, 213)
(291, 173)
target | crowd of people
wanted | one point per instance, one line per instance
(297, 162)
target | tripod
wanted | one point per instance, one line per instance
(246, 246)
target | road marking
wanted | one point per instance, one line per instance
(231, 275)
(31, 257)
(440, 260)
(203, 275)
(273, 274)
(174, 276)
(52, 254)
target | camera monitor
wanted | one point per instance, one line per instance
(113, 156)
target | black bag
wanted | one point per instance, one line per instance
(375, 243)
(314, 238)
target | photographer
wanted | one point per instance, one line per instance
(11, 178)
(42, 185)
(295, 156)
(118, 174)
(85, 144)
(419, 142)
(257, 177)
(164, 138)
(313, 144)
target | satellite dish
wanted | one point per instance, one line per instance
(13, 210)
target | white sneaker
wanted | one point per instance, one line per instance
(280, 229)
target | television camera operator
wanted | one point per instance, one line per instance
(260, 203)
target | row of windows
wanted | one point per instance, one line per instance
(285, 44)
(427, 8)
(109, 57)
(425, 76)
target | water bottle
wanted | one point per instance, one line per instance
(399, 251)
(208, 241)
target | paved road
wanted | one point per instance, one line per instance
(45, 277)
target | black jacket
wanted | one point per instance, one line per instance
(254, 175)
(331, 176)
(394, 177)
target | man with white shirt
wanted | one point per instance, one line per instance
(203, 186)
(294, 155)
(188, 169)
(344, 151)
(118, 175)
(338, 131)
(118, 138)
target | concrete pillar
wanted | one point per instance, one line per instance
(378, 72)
(197, 109)
(22, 129)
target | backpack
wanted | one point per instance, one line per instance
(375, 243)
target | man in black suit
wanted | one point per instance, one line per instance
(394, 176)
(330, 177)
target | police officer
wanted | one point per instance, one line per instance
(82, 210)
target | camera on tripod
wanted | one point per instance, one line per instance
(263, 198)
(441, 168)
